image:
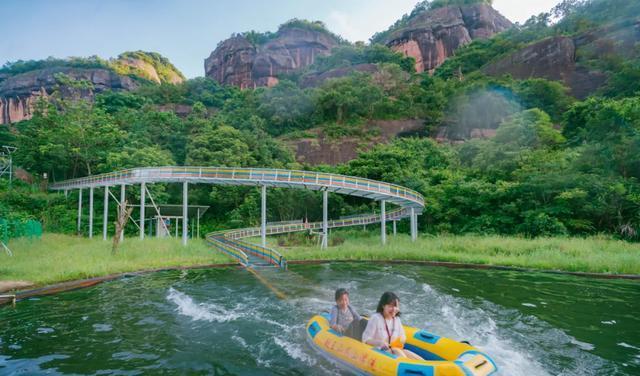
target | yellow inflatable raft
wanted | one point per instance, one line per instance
(443, 356)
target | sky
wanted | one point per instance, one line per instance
(187, 31)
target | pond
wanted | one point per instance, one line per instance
(225, 321)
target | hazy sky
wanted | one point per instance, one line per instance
(186, 31)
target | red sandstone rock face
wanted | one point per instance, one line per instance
(557, 58)
(19, 93)
(433, 36)
(317, 78)
(323, 150)
(231, 62)
(237, 62)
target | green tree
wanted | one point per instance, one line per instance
(70, 142)
(218, 146)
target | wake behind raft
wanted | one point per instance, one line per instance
(443, 356)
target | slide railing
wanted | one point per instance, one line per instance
(229, 241)
(231, 238)
(349, 185)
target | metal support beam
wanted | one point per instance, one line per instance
(105, 213)
(198, 224)
(185, 222)
(142, 200)
(123, 209)
(79, 210)
(90, 212)
(263, 227)
(394, 228)
(383, 222)
(325, 219)
(413, 225)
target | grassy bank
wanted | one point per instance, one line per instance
(594, 254)
(57, 258)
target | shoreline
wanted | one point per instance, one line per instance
(13, 297)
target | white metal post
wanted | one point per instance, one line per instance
(263, 227)
(185, 206)
(413, 225)
(123, 209)
(90, 212)
(394, 228)
(325, 219)
(383, 222)
(142, 200)
(198, 224)
(105, 213)
(79, 210)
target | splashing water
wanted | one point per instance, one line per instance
(223, 321)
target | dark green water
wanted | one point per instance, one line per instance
(223, 321)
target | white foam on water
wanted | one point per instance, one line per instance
(102, 327)
(45, 330)
(294, 350)
(583, 345)
(530, 305)
(622, 344)
(519, 344)
(611, 322)
(240, 340)
(186, 306)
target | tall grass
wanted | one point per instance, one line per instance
(57, 258)
(593, 254)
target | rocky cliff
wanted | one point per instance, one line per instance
(432, 36)
(570, 59)
(321, 149)
(148, 65)
(238, 61)
(21, 88)
(19, 93)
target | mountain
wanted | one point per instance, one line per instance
(431, 34)
(253, 59)
(570, 58)
(23, 82)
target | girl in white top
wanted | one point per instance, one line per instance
(385, 328)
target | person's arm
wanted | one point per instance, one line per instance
(370, 331)
(401, 333)
(333, 322)
(356, 316)
(333, 316)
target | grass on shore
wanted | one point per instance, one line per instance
(56, 258)
(592, 254)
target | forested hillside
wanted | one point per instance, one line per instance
(501, 151)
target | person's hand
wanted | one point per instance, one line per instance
(397, 343)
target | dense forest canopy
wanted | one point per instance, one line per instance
(556, 165)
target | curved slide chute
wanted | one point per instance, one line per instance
(409, 201)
